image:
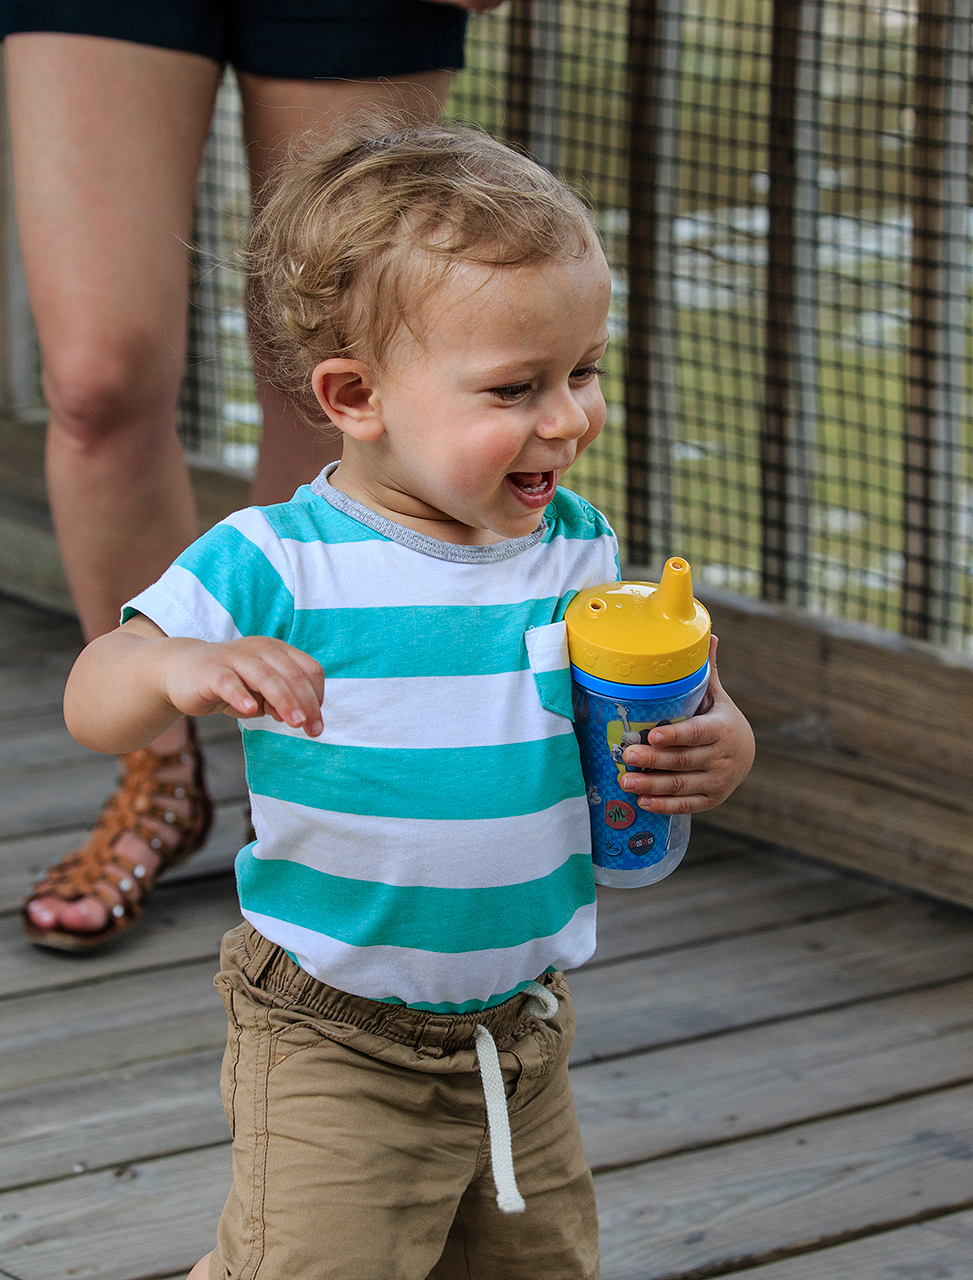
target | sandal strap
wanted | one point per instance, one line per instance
(140, 795)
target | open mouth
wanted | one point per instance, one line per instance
(535, 488)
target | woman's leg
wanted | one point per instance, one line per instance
(107, 137)
(274, 112)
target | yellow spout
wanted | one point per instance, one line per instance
(673, 598)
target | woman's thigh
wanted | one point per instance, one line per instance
(107, 137)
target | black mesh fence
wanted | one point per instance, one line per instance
(782, 187)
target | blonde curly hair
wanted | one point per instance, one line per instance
(360, 232)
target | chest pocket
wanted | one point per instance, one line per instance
(547, 653)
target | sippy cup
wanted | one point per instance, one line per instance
(639, 658)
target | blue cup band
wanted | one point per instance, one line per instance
(644, 692)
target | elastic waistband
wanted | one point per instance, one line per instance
(271, 969)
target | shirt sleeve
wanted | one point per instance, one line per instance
(235, 580)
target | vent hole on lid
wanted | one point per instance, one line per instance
(596, 606)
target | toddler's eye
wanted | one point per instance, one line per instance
(586, 373)
(514, 392)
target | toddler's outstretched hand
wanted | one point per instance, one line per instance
(253, 676)
(695, 763)
(131, 684)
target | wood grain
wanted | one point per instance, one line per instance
(637, 1003)
(937, 1250)
(713, 1210)
(719, 1089)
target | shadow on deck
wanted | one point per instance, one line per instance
(774, 1064)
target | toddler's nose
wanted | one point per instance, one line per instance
(565, 420)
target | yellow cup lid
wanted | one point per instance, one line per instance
(640, 632)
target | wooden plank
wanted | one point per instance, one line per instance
(25, 628)
(929, 695)
(139, 1220)
(34, 687)
(716, 1210)
(712, 900)
(30, 566)
(864, 758)
(940, 1249)
(744, 1082)
(62, 1034)
(49, 800)
(128, 1113)
(858, 818)
(186, 922)
(637, 1003)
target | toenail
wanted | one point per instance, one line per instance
(118, 912)
(138, 872)
(185, 758)
(125, 885)
(179, 792)
(155, 843)
(169, 816)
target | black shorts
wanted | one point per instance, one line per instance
(285, 39)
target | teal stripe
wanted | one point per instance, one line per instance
(571, 516)
(237, 573)
(420, 640)
(440, 783)
(308, 518)
(363, 913)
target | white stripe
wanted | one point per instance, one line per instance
(181, 606)
(431, 711)
(428, 977)
(440, 854)
(379, 574)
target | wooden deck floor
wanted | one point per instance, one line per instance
(774, 1066)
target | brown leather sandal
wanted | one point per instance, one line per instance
(138, 805)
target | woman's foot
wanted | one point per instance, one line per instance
(158, 816)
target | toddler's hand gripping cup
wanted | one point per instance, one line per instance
(639, 658)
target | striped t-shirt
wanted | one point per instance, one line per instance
(432, 846)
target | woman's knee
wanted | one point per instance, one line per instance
(96, 393)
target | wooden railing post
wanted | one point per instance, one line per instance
(651, 353)
(791, 366)
(533, 113)
(939, 311)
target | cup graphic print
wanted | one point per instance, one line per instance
(639, 658)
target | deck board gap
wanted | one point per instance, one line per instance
(763, 1131)
(99, 979)
(755, 1024)
(699, 944)
(116, 1166)
(805, 1248)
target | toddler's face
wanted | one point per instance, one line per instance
(497, 402)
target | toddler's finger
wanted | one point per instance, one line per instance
(700, 731)
(665, 783)
(675, 759)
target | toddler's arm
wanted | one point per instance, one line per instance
(131, 684)
(697, 763)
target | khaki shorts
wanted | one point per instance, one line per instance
(360, 1147)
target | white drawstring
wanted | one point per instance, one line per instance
(542, 1004)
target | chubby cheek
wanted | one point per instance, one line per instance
(596, 413)
(487, 462)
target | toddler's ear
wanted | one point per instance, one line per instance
(346, 390)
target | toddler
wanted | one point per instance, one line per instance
(396, 1070)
